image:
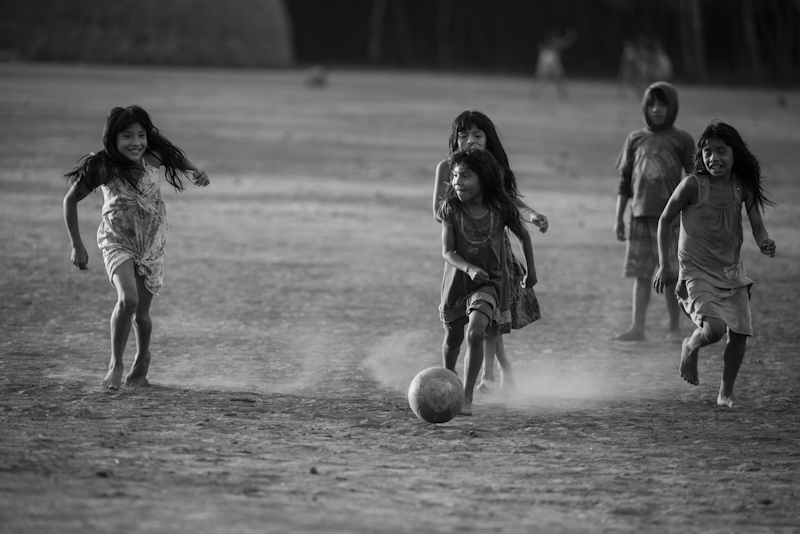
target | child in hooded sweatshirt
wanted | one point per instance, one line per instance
(651, 164)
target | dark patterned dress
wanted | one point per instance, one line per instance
(524, 305)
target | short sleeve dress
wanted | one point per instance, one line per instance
(135, 226)
(481, 242)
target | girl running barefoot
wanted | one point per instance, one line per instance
(474, 129)
(133, 230)
(713, 286)
(475, 288)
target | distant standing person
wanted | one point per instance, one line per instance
(650, 165)
(133, 230)
(712, 283)
(548, 62)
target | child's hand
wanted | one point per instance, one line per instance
(768, 247)
(529, 280)
(539, 220)
(80, 258)
(200, 178)
(662, 279)
(619, 229)
(477, 274)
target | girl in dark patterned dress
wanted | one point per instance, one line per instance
(474, 129)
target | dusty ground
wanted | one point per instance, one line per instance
(300, 300)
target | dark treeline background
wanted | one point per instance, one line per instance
(745, 41)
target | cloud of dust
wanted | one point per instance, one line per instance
(566, 380)
(398, 358)
(553, 378)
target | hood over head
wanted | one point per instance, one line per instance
(671, 95)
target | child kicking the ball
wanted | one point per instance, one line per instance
(474, 212)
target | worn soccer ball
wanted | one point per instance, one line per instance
(436, 395)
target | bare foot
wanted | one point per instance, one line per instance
(485, 386)
(688, 367)
(466, 408)
(674, 336)
(114, 377)
(138, 373)
(629, 335)
(725, 400)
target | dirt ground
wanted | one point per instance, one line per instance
(300, 300)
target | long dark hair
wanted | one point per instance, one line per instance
(95, 169)
(495, 196)
(745, 165)
(470, 118)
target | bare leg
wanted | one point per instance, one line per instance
(451, 346)
(507, 378)
(127, 299)
(641, 299)
(674, 311)
(493, 345)
(476, 334)
(732, 357)
(711, 332)
(142, 327)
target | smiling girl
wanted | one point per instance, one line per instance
(475, 288)
(133, 230)
(713, 287)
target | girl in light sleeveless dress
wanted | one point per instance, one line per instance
(712, 285)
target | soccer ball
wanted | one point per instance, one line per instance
(436, 395)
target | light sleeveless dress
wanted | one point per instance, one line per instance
(712, 281)
(135, 226)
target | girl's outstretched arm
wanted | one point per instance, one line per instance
(766, 244)
(199, 176)
(76, 193)
(683, 195)
(451, 256)
(530, 215)
(441, 179)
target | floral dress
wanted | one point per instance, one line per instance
(524, 305)
(135, 226)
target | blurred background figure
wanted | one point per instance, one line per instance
(643, 62)
(548, 63)
(316, 76)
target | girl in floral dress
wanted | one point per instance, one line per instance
(133, 231)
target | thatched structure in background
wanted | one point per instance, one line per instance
(242, 33)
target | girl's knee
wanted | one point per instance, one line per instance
(714, 330)
(127, 303)
(142, 320)
(476, 330)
